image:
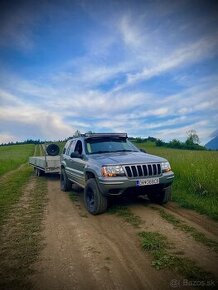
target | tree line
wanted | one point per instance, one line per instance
(31, 141)
(191, 143)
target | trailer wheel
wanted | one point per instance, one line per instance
(66, 184)
(38, 172)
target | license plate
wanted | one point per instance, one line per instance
(147, 181)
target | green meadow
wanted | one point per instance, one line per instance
(11, 157)
(11, 186)
(196, 177)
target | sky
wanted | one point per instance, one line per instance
(148, 68)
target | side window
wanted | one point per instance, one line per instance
(65, 147)
(79, 147)
(70, 149)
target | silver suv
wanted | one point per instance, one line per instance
(108, 164)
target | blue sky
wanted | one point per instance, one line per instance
(148, 68)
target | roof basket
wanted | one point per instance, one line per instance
(99, 135)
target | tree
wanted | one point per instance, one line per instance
(192, 137)
(138, 140)
(159, 143)
(175, 144)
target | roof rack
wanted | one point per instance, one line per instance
(99, 135)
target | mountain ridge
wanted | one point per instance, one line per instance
(212, 144)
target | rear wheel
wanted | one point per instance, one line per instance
(66, 184)
(94, 201)
(162, 196)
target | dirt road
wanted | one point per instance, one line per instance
(103, 252)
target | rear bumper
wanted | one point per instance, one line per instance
(118, 185)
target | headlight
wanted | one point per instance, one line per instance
(110, 171)
(165, 167)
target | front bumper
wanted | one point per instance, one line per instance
(118, 185)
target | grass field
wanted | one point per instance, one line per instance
(11, 188)
(22, 202)
(13, 156)
(196, 177)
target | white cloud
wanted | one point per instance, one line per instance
(19, 118)
(64, 111)
(130, 32)
(202, 128)
(184, 56)
(6, 138)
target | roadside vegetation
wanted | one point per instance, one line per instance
(11, 185)
(20, 238)
(126, 214)
(196, 177)
(11, 189)
(165, 257)
(191, 143)
(38, 150)
(11, 157)
(61, 145)
(196, 235)
(164, 252)
(22, 202)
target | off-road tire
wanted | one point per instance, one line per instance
(161, 197)
(52, 149)
(94, 201)
(66, 184)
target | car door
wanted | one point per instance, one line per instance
(78, 164)
(68, 160)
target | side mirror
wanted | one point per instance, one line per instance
(75, 155)
(143, 150)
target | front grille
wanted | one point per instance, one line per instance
(143, 170)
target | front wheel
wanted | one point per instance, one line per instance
(162, 196)
(66, 184)
(94, 201)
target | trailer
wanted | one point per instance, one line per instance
(49, 163)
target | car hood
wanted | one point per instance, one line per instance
(125, 158)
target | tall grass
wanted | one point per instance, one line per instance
(11, 157)
(20, 226)
(11, 189)
(61, 145)
(196, 177)
(11, 186)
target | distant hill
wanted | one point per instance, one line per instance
(212, 144)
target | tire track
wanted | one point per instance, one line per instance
(202, 255)
(91, 252)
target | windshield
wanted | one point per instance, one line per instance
(106, 145)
